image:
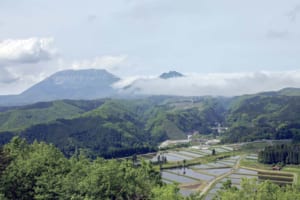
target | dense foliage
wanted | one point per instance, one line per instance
(116, 128)
(286, 154)
(16, 118)
(110, 128)
(40, 171)
(263, 117)
(250, 189)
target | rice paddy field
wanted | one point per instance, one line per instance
(281, 178)
(191, 178)
(194, 178)
(179, 155)
(196, 171)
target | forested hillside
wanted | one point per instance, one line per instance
(17, 118)
(111, 128)
(263, 116)
(118, 127)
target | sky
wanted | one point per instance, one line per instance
(229, 47)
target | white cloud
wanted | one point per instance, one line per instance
(215, 84)
(19, 76)
(21, 51)
(108, 62)
(293, 13)
(7, 77)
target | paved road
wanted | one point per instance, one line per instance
(234, 168)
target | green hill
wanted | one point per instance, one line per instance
(263, 117)
(110, 128)
(118, 127)
(17, 118)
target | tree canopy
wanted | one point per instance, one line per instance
(41, 171)
(251, 189)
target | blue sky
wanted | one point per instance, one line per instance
(147, 37)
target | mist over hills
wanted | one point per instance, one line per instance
(73, 84)
(96, 83)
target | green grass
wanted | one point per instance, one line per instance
(254, 164)
(254, 147)
(295, 170)
(277, 174)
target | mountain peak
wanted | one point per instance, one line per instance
(72, 84)
(76, 77)
(170, 74)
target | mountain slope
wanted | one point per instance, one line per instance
(110, 128)
(68, 84)
(118, 127)
(263, 117)
(17, 118)
(290, 92)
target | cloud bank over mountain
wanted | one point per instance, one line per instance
(215, 84)
(26, 61)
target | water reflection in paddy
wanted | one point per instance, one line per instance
(191, 154)
(217, 172)
(180, 156)
(185, 192)
(191, 173)
(176, 178)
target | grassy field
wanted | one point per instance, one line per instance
(295, 170)
(254, 164)
(259, 166)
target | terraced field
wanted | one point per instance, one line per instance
(208, 178)
(281, 178)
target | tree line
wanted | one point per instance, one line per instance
(286, 154)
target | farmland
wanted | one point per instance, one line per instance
(197, 170)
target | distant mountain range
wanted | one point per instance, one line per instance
(72, 84)
(91, 84)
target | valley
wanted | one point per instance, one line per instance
(201, 145)
(149, 100)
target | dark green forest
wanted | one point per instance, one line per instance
(285, 154)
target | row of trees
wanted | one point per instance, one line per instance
(286, 154)
(41, 171)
